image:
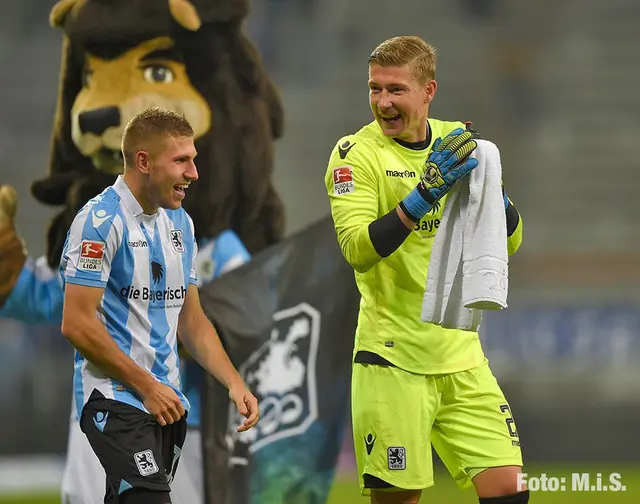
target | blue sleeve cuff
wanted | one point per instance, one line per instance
(88, 282)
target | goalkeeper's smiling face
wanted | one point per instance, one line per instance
(399, 102)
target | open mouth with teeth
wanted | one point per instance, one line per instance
(180, 189)
(392, 119)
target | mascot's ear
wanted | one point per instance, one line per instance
(65, 156)
(60, 12)
(65, 160)
(184, 13)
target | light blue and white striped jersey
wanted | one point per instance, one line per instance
(145, 263)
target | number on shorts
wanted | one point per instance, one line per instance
(511, 424)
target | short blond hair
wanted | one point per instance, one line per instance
(149, 127)
(407, 50)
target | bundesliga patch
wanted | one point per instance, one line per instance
(146, 462)
(343, 180)
(91, 255)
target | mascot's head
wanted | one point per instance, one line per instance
(123, 56)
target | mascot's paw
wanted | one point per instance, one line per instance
(8, 203)
(12, 250)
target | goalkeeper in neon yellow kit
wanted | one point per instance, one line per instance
(414, 385)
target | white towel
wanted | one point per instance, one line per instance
(469, 266)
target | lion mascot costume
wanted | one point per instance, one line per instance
(120, 57)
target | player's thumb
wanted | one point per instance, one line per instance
(242, 406)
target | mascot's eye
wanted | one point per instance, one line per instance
(158, 73)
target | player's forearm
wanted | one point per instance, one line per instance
(514, 232)
(368, 245)
(513, 218)
(93, 341)
(514, 225)
(390, 231)
(203, 343)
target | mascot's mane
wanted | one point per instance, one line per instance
(235, 157)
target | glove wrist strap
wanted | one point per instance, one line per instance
(414, 205)
(428, 197)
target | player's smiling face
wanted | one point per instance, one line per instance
(399, 102)
(172, 170)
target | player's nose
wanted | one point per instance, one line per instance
(384, 101)
(192, 173)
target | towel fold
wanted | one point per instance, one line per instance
(469, 266)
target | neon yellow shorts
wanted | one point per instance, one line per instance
(398, 416)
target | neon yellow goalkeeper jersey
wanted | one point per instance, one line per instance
(368, 175)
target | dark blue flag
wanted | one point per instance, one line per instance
(287, 320)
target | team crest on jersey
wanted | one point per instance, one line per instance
(282, 374)
(176, 240)
(343, 180)
(91, 255)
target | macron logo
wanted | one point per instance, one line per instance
(100, 419)
(98, 217)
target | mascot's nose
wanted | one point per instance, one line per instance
(97, 121)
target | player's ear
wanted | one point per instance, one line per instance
(430, 90)
(143, 161)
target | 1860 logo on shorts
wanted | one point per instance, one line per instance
(146, 463)
(396, 458)
(282, 375)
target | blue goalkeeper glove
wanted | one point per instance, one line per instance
(448, 163)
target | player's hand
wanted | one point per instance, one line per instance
(163, 403)
(246, 403)
(448, 163)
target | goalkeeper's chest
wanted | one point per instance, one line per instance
(398, 176)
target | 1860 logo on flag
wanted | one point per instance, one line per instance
(91, 255)
(343, 180)
(282, 373)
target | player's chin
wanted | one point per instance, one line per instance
(174, 200)
(171, 204)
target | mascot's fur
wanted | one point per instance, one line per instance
(122, 56)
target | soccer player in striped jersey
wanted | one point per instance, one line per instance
(38, 298)
(129, 281)
(414, 384)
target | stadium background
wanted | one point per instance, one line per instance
(553, 83)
